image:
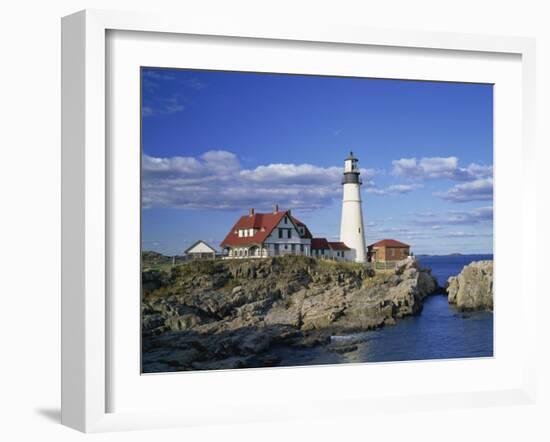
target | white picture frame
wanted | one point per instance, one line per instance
(86, 205)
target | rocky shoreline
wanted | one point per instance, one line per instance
(472, 288)
(249, 313)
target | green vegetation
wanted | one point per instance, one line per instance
(378, 278)
(160, 279)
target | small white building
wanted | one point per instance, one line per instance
(338, 251)
(200, 250)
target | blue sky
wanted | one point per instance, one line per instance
(216, 143)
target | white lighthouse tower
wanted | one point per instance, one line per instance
(352, 232)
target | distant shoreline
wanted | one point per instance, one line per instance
(453, 254)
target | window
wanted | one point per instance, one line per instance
(280, 233)
(301, 248)
(293, 247)
(289, 233)
(251, 232)
(392, 252)
(285, 220)
(359, 229)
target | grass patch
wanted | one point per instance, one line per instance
(379, 278)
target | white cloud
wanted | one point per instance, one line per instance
(376, 191)
(403, 188)
(152, 78)
(473, 216)
(455, 217)
(157, 74)
(403, 233)
(162, 106)
(193, 83)
(299, 174)
(439, 167)
(461, 234)
(155, 104)
(394, 189)
(478, 190)
(216, 180)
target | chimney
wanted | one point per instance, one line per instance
(251, 212)
(276, 208)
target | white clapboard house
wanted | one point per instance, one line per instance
(259, 235)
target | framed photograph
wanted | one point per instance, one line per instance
(262, 221)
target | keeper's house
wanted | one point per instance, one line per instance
(388, 250)
(200, 250)
(259, 235)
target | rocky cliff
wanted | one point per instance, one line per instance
(230, 313)
(472, 289)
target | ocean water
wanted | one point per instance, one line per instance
(438, 332)
(449, 265)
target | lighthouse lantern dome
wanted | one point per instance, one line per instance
(351, 170)
(350, 164)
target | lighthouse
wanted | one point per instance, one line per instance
(352, 232)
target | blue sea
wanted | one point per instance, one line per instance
(445, 266)
(438, 332)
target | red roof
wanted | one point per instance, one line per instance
(338, 246)
(389, 243)
(264, 222)
(319, 243)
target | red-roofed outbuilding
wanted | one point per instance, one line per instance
(322, 248)
(388, 250)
